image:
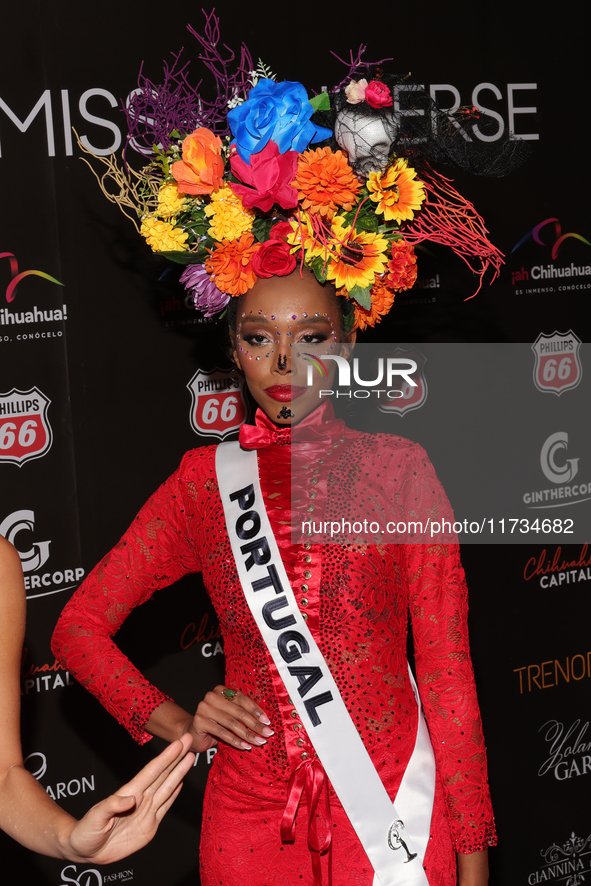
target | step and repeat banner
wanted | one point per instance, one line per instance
(107, 376)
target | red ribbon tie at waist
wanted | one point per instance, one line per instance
(310, 777)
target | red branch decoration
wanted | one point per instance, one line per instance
(449, 219)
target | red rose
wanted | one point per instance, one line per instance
(273, 259)
(378, 95)
(280, 231)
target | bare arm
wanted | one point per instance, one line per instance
(473, 868)
(112, 829)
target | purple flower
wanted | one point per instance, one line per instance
(207, 298)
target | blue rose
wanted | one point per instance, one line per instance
(277, 111)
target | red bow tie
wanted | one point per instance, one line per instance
(256, 437)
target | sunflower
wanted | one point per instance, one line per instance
(382, 299)
(398, 193)
(161, 236)
(402, 267)
(229, 218)
(355, 257)
(230, 265)
(325, 181)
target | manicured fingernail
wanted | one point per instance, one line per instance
(267, 731)
(246, 747)
(263, 718)
(258, 740)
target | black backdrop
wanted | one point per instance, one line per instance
(114, 347)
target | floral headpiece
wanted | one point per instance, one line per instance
(281, 190)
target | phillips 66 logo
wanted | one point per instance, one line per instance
(410, 397)
(25, 432)
(218, 406)
(558, 367)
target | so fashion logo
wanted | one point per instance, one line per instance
(91, 877)
(15, 528)
(558, 469)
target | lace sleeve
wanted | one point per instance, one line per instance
(438, 604)
(154, 552)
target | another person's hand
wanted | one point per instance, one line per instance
(234, 719)
(127, 820)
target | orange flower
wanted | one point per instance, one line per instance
(324, 181)
(382, 299)
(402, 267)
(230, 265)
(397, 191)
(202, 168)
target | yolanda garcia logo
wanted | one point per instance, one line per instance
(557, 367)
(218, 406)
(564, 864)
(558, 469)
(25, 432)
(570, 755)
(36, 557)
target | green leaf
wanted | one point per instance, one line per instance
(182, 258)
(320, 268)
(361, 296)
(261, 228)
(349, 321)
(321, 102)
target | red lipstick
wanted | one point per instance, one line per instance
(285, 393)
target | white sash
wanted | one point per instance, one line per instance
(380, 827)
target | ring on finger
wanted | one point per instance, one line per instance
(229, 693)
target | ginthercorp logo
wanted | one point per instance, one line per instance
(389, 371)
(560, 470)
(15, 528)
(25, 432)
(557, 366)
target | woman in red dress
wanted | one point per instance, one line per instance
(356, 599)
(302, 245)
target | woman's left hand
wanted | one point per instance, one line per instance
(473, 868)
(127, 821)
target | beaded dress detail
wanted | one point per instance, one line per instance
(357, 599)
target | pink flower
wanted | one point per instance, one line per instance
(269, 176)
(355, 91)
(378, 95)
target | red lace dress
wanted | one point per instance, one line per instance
(357, 599)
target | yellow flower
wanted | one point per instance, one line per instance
(170, 202)
(397, 191)
(161, 236)
(229, 218)
(355, 256)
